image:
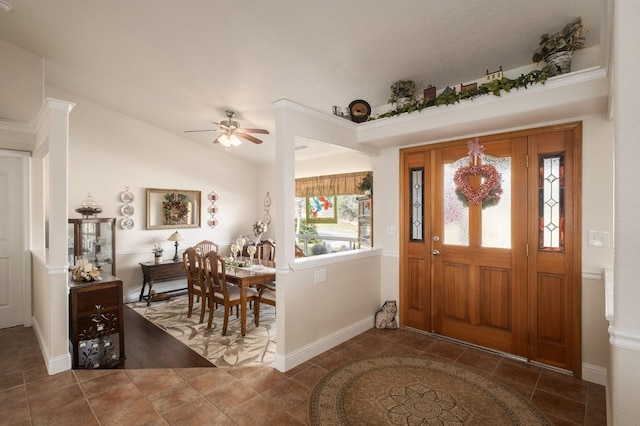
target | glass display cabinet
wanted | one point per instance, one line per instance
(365, 221)
(93, 239)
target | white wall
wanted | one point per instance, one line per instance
(623, 407)
(343, 162)
(21, 84)
(109, 151)
(317, 316)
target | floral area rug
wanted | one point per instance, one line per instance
(407, 390)
(256, 348)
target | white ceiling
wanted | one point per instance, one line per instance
(180, 65)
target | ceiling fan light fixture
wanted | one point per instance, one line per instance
(5, 6)
(229, 140)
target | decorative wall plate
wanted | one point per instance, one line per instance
(126, 196)
(126, 223)
(127, 210)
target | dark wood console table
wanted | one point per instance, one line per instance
(157, 272)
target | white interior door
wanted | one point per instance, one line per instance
(12, 225)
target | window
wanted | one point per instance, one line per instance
(323, 237)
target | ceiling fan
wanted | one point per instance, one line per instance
(232, 131)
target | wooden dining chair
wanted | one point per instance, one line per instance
(222, 292)
(196, 284)
(266, 294)
(205, 246)
(267, 251)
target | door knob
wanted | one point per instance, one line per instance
(435, 252)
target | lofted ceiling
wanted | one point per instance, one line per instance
(180, 65)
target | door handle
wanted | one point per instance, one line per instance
(436, 252)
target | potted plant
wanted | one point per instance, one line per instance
(557, 49)
(157, 253)
(402, 91)
(366, 185)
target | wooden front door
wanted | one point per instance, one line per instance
(500, 272)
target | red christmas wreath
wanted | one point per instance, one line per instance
(476, 195)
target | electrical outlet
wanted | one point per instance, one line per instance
(320, 276)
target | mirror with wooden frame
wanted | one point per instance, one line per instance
(173, 208)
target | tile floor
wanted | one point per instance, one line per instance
(247, 396)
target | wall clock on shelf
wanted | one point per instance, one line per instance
(359, 111)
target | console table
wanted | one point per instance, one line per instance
(156, 272)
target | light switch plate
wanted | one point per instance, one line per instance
(599, 238)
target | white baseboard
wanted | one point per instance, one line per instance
(291, 360)
(594, 374)
(54, 365)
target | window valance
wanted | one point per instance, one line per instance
(341, 184)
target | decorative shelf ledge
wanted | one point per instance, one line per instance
(562, 97)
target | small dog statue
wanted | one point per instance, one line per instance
(386, 316)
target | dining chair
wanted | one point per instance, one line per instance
(266, 294)
(222, 292)
(205, 246)
(267, 251)
(196, 284)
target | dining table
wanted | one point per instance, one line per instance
(246, 276)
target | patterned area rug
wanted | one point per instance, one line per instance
(256, 348)
(406, 390)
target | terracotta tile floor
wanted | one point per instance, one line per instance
(246, 396)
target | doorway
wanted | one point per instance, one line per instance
(490, 242)
(15, 288)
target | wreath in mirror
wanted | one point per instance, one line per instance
(175, 208)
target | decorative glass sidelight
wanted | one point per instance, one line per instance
(417, 204)
(551, 202)
(456, 213)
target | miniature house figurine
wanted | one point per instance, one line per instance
(429, 92)
(470, 86)
(496, 75)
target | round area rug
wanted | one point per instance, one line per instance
(407, 390)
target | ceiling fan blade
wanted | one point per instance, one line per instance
(263, 131)
(205, 130)
(248, 137)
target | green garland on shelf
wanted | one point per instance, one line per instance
(494, 87)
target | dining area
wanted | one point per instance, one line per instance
(235, 282)
(224, 308)
(217, 284)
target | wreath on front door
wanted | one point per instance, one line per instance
(490, 189)
(175, 209)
